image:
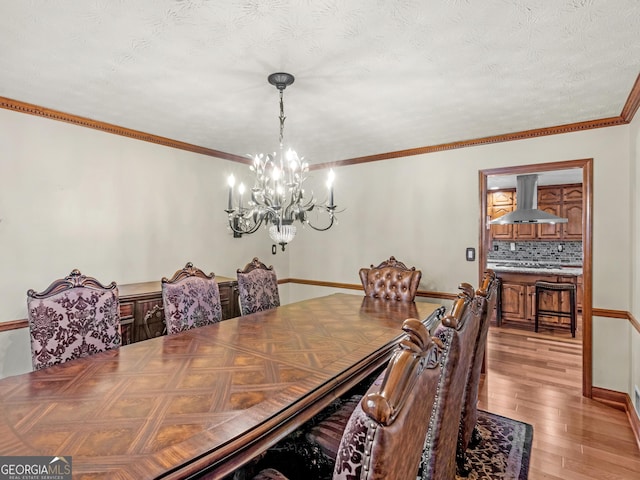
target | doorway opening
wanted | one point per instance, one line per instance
(586, 166)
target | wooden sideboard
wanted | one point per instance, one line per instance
(139, 299)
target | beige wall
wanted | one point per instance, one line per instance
(425, 210)
(129, 211)
(116, 208)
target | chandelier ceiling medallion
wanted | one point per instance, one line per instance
(277, 198)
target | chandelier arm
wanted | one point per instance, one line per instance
(320, 229)
(249, 231)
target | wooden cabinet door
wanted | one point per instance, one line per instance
(155, 320)
(229, 300)
(572, 230)
(564, 298)
(550, 231)
(525, 231)
(501, 232)
(549, 195)
(126, 322)
(572, 193)
(531, 304)
(501, 198)
(549, 300)
(513, 300)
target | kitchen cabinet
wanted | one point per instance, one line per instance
(561, 200)
(525, 231)
(550, 231)
(502, 197)
(572, 230)
(513, 300)
(501, 232)
(518, 298)
(499, 203)
(140, 300)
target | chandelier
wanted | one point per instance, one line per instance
(277, 198)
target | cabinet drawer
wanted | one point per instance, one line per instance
(126, 310)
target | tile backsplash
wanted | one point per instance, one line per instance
(537, 251)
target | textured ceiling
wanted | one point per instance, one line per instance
(371, 76)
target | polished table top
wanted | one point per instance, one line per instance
(209, 397)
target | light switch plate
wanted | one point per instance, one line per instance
(471, 254)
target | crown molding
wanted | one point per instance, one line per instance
(38, 111)
(626, 116)
(508, 137)
(633, 102)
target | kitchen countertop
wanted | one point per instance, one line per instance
(541, 268)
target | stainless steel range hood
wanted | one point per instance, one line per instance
(527, 205)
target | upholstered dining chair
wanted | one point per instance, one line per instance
(74, 317)
(257, 287)
(468, 434)
(191, 298)
(457, 333)
(391, 280)
(383, 438)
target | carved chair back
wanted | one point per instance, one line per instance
(257, 287)
(489, 291)
(457, 333)
(391, 280)
(191, 299)
(74, 317)
(384, 436)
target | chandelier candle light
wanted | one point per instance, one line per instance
(277, 198)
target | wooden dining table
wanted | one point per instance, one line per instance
(206, 400)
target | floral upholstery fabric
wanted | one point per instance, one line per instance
(191, 302)
(258, 290)
(351, 456)
(74, 323)
(327, 434)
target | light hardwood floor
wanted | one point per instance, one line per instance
(537, 379)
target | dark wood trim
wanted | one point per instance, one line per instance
(633, 102)
(587, 245)
(634, 420)
(538, 132)
(31, 109)
(587, 277)
(628, 112)
(634, 322)
(619, 401)
(320, 283)
(613, 398)
(357, 286)
(13, 325)
(441, 295)
(609, 313)
(598, 312)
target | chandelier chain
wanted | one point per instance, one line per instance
(282, 117)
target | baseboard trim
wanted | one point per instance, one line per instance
(620, 401)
